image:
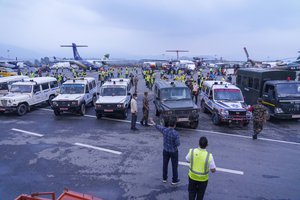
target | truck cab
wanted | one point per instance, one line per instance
(225, 102)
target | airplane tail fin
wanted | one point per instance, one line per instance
(75, 52)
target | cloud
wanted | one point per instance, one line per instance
(140, 28)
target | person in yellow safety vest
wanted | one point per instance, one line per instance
(182, 78)
(90, 69)
(147, 79)
(84, 73)
(200, 163)
(59, 78)
(179, 71)
(126, 72)
(31, 74)
(210, 70)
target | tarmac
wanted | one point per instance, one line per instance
(104, 158)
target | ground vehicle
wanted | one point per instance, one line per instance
(28, 93)
(74, 95)
(6, 82)
(279, 93)
(7, 72)
(185, 65)
(225, 102)
(115, 96)
(174, 99)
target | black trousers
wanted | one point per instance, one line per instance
(145, 116)
(133, 120)
(174, 159)
(196, 189)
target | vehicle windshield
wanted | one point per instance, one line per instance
(21, 88)
(113, 91)
(3, 86)
(288, 89)
(228, 95)
(175, 94)
(72, 89)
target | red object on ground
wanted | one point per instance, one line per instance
(66, 195)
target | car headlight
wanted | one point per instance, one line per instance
(120, 106)
(223, 112)
(169, 112)
(98, 106)
(194, 111)
(278, 110)
(74, 103)
(54, 103)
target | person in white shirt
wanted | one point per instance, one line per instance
(133, 107)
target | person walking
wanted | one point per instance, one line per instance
(133, 107)
(170, 149)
(200, 163)
(135, 81)
(259, 113)
(145, 110)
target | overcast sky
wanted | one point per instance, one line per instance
(139, 28)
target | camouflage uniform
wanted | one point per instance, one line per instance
(259, 117)
(145, 111)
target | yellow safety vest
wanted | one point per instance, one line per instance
(199, 164)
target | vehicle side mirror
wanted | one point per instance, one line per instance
(128, 93)
(210, 97)
(98, 93)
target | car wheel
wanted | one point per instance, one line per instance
(162, 121)
(22, 109)
(50, 100)
(94, 101)
(156, 113)
(82, 109)
(194, 124)
(57, 113)
(216, 119)
(125, 114)
(98, 116)
(203, 109)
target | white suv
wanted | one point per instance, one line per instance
(114, 98)
(74, 95)
(30, 92)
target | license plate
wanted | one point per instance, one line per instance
(63, 109)
(106, 110)
(182, 119)
(237, 119)
(295, 116)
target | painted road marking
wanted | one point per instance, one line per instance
(27, 132)
(98, 148)
(198, 130)
(218, 169)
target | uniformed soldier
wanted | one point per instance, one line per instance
(145, 110)
(200, 163)
(259, 117)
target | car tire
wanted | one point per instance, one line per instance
(93, 103)
(157, 113)
(203, 109)
(162, 121)
(22, 109)
(57, 113)
(194, 124)
(99, 116)
(125, 114)
(50, 100)
(82, 109)
(216, 119)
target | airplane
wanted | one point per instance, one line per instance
(264, 64)
(82, 63)
(12, 64)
